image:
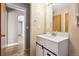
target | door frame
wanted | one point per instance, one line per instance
(25, 13)
(0, 29)
(2, 17)
(19, 9)
(0, 21)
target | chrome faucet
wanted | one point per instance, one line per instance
(54, 34)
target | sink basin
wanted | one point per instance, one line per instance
(55, 36)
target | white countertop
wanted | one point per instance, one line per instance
(57, 38)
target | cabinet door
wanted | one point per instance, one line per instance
(57, 23)
(39, 50)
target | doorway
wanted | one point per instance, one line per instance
(15, 39)
(16, 33)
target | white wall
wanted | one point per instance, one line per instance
(12, 27)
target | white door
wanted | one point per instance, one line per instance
(3, 29)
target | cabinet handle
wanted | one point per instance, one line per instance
(48, 54)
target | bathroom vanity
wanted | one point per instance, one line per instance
(52, 44)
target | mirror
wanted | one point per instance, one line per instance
(60, 17)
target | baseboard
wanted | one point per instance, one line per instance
(27, 49)
(10, 45)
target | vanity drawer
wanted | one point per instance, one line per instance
(40, 40)
(52, 46)
(47, 53)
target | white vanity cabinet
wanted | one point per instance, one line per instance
(59, 48)
(51, 46)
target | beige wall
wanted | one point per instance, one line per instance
(41, 18)
(49, 17)
(37, 24)
(73, 31)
